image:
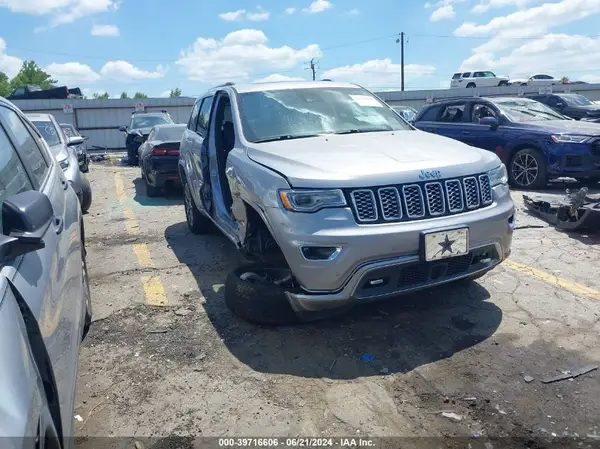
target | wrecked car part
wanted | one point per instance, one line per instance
(571, 374)
(577, 211)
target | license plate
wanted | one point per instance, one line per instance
(444, 244)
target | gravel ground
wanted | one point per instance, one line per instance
(165, 357)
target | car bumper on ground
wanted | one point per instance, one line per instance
(385, 251)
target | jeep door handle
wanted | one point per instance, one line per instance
(64, 183)
(59, 224)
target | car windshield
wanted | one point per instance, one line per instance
(148, 121)
(69, 131)
(576, 100)
(527, 111)
(170, 134)
(307, 112)
(48, 131)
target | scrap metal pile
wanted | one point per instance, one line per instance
(576, 212)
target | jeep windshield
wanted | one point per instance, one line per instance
(523, 110)
(309, 112)
(148, 121)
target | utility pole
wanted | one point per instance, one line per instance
(313, 68)
(401, 41)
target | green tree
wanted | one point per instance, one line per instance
(103, 96)
(5, 89)
(139, 96)
(565, 80)
(175, 93)
(124, 96)
(31, 73)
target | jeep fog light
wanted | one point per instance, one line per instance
(320, 252)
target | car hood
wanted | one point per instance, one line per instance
(371, 159)
(567, 127)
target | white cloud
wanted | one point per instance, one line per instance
(318, 6)
(165, 94)
(442, 3)
(290, 11)
(123, 70)
(443, 13)
(105, 30)
(276, 77)
(590, 78)
(238, 55)
(486, 5)
(379, 73)
(354, 12)
(72, 73)
(10, 65)
(242, 14)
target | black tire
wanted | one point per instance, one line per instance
(87, 323)
(86, 196)
(503, 83)
(257, 302)
(471, 85)
(132, 157)
(152, 191)
(196, 221)
(534, 176)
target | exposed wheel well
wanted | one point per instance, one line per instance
(181, 174)
(259, 244)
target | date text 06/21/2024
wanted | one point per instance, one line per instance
(295, 442)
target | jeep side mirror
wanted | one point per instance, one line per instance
(123, 129)
(492, 122)
(26, 217)
(75, 140)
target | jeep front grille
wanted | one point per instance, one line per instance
(421, 200)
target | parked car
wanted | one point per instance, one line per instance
(535, 80)
(336, 198)
(34, 92)
(575, 106)
(62, 149)
(45, 308)
(139, 128)
(409, 113)
(81, 149)
(535, 142)
(478, 79)
(158, 158)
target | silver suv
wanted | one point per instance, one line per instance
(336, 198)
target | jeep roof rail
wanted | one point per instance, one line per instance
(228, 83)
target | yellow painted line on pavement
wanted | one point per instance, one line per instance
(153, 288)
(552, 279)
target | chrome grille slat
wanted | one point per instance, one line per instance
(454, 195)
(471, 192)
(389, 200)
(434, 194)
(485, 188)
(364, 205)
(413, 200)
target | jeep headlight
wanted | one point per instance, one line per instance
(567, 138)
(311, 200)
(498, 176)
(64, 164)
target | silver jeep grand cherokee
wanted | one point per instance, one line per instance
(337, 197)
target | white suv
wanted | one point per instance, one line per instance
(478, 79)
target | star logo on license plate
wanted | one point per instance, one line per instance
(446, 245)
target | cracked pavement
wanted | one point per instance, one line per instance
(188, 367)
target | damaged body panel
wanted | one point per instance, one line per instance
(577, 212)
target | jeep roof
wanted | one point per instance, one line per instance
(280, 85)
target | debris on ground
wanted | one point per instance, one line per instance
(182, 311)
(332, 365)
(78, 418)
(158, 331)
(97, 157)
(577, 211)
(451, 415)
(528, 379)
(571, 374)
(384, 370)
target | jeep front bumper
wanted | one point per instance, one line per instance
(389, 251)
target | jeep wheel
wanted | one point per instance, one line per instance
(471, 85)
(528, 169)
(86, 195)
(256, 293)
(196, 221)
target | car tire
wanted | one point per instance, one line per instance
(471, 85)
(256, 301)
(86, 196)
(196, 221)
(152, 191)
(132, 157)
(87, 323)
(527, 169)
(503, 83)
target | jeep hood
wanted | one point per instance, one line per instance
(370, 159)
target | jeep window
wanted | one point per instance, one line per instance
(456, 76)
(478, 75)
(525, 110)
(430, 114)
(466, 75)
(575, 100)
(149, 121)
(489, 74)
(194, 116)
(204, 115)
(480, 111)
(48, 131)
(453, 113)
(306, 112)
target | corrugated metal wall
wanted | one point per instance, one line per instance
(100, 119)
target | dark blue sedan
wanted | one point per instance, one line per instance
(535, 142)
